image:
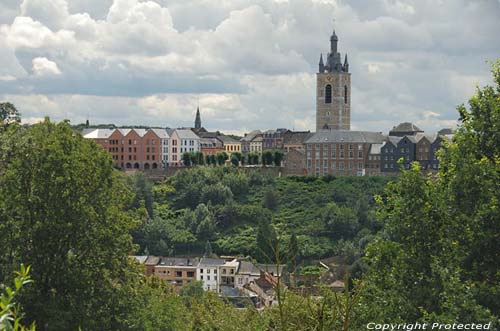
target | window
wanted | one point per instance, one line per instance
(328, 94)
(208, 277)
(345, 94)
(201, 277)
(190, 273)
(178, 274)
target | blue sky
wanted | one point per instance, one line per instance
(248, 64)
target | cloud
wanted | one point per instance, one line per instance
(44, 67)
(251, 63)
(51, 13)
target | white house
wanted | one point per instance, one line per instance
(165, 146)
(208, 273)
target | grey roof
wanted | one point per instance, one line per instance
(251, 135)
(394, 140)
(247, 267)
(178, 262)
(124, 131)
(329, 136)
(445, 131)
(375, 148)
(406, 127)
(210, 262)
(186, 134)
(227, 140)
(270, 268)
(162, 133)
(296, 137)
(99, 133)
(257, 139)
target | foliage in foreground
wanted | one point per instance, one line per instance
(437, 258)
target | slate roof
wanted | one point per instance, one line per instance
(329, 136)
(227, 140)
(186, 134)
(99, 133)
(162, 133)
(178, 262)
(375, 148)
(251, 135)
(247, 267)
(210, 262)
(296, 137)
(406, 127)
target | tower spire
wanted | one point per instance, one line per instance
(346, 64)
(197, 121)
(321, 64)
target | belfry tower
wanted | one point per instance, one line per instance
(333, 91)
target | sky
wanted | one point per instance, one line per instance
(247, 64)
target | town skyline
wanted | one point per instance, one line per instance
(409, 63)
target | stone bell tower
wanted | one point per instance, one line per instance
(333, 91)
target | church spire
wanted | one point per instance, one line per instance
(197, 121)
(321, 64)
(346, 64)
(333, 42)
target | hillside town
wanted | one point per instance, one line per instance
(333, 149)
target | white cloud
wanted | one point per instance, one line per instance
(51, 13)
(44, 67)
(251, 63)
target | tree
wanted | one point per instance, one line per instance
(443, 231)
(143, 189)
(234, 160)
(221, 158)
(63, 211)
(217, 194)
(187, 159)
(267, 158)
(270, 199)
(267, 242)
(9, 113)
(278, 157)
(293, 253)
(342, 222)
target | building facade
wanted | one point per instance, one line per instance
(339, 152)
(333, 91)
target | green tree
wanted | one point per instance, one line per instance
(443, 231)
(267, 241)
(340, 221)
(143, 189)
(63, 212)
(270, 199)
(234, 160)
(278, 157)
(217, 194)
(9, 113)
(187, 159)
(267, 158)
(221, 158)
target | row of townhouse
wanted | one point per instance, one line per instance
(215, 274)
(145, 149)
(360, 153)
